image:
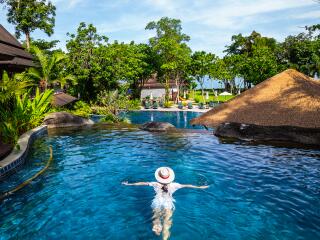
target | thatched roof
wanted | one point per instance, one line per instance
(289, 98)
(60, 99)
(13, 57)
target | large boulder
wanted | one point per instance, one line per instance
(65, 119)
(251, 132)
(157, 126)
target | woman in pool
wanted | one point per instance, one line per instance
(163, 202)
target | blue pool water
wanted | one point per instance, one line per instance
(256, 191)
(179, 119)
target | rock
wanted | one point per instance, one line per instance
(65, 119)
(251, 132)
(157, 126)
(5, 149)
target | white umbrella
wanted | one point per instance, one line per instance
(207, 95)
(184, 95)
(225, 94)
(151, 96)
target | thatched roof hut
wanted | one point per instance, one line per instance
(13, 57)
(289, 98)
(61, 99)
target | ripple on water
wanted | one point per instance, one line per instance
(256, 191)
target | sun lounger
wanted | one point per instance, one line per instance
(155, 105)
(211, 104)
(201, 106)
(180, 106)
(147, 105)
(190, 105)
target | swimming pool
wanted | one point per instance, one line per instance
(180, 119)
(256, 191)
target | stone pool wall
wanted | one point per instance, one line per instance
(17, 157)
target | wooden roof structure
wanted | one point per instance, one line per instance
(153, 83)
(60, 99)
(13, 57)
(289, 98)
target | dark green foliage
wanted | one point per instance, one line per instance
(29, 15)
(301, 52)
(201, 66)
(173, 53)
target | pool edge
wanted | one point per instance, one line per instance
(17, 156)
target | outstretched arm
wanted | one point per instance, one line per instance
(135, 184)
(192, 186)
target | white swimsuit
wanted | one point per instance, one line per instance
(164, 200)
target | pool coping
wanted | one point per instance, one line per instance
(17, 157)
(175, 109)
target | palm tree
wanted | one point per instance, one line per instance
(45, 73)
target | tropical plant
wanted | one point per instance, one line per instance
(46, 74)
(25, 114)
(10, 87)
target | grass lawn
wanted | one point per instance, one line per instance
(198, 97)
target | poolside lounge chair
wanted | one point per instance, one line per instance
(161, 104)
(190, 105)
(147, 105)
(180, 106)
(211, 104)
(155, 105)
(201, 106)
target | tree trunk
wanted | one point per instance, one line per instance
(28, 39)
(166, 86)
(178, 89)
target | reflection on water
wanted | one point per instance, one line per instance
(256, 191)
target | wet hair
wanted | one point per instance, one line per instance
(164, 188)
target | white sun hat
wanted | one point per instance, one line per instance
(164, 175)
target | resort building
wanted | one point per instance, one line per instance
(13, 57)
(155, 89)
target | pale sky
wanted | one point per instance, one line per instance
(209, 23)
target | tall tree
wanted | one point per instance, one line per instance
(253, 57)
(86, 49)
(223, 70)
(29, 15)
(168, 43)
(301, 52)
(201, 65)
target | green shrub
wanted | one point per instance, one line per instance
(110, 118)
(82, 109)
(26, 113)
(168, 104)
(197, 99)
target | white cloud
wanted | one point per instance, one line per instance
(68, 4)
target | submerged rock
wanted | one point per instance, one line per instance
(251, 132)
(65, 119)
(157, 126)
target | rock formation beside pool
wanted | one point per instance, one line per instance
(65, 119)
(254, 132)
(289, 101)
(157, 126)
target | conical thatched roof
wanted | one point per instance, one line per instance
(289, 98)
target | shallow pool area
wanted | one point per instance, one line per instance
(256, 191)
(180, 119)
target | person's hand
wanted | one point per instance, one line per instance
(203, 187)
(124, 183)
